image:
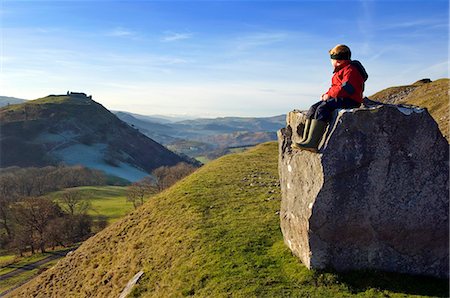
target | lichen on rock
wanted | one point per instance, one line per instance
(375, 196)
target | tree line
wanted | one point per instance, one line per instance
(29, 221)
(161, 178)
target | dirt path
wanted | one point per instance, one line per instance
(32, 266)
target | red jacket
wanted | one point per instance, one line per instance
(348, 81)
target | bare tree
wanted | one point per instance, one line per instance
(34, 215)
(8, 185)
(72, 202)
(25, 181)
(167, 176)
(99, 223)
(161, 174)
(5, 216)
(43, 182)
(23, 240)
(56, 232)
(8, 196)
(77, 227)
(137, 191)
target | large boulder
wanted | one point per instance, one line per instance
(375, 196)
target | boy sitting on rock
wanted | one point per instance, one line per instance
(346, 92)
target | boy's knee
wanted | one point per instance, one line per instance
(323, 115)
(313, 109)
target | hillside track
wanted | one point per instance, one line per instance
(54, 256)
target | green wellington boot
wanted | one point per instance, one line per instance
(305, 134)
(306, 130)
(316, 130)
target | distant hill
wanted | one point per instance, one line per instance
(162, 133)
(201, 136)
(6, 100)
(233, 124)
(216, 233)
(77, 130)
(241, 138)
(433, 95)
(162, 118)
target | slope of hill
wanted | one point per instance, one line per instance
(432, 95)
(160, 132)
(77, 130)
(214, 234)
(6, 100)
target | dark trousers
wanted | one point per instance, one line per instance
(323, 110)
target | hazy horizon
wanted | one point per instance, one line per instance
(207, 59)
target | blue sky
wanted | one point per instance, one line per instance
(214, 58)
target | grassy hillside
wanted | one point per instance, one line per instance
(434, 96)
(214, 234)
(74, 129)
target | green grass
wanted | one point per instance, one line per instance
(214, 234)
(60, 99)
(12, 282)
(22, 261)
(117, 181)
(23, 277)
(107, 202)
(17, 262)
(44, 100)
(203, 159)
(6, 259)
(238, 150)
(51, 99)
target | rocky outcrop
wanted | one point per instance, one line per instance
(375, 196)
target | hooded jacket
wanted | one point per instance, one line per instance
(348, 81)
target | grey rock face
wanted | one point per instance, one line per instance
(375, 196)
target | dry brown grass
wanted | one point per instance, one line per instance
(434, 96)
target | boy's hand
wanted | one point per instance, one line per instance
(325, 96)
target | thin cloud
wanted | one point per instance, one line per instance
(365, 25)
(121, 32)
(260, 39)
(423, 23)
(440, 69)
(175, 36)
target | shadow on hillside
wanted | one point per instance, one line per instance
(360, 281)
